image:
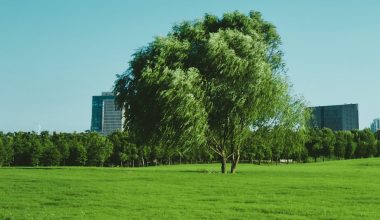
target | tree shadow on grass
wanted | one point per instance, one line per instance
(38, 168)
(69, 168)
(200, 171)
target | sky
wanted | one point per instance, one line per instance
(55, 55)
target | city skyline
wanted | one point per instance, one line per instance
(55, 56)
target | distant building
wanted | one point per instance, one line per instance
(106, 117)
(336, 117)
(375, 125)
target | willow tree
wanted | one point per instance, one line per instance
(209, 82)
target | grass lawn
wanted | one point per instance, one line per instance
(330, 190)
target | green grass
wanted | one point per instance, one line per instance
(330, 190)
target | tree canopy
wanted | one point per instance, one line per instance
(209, 82)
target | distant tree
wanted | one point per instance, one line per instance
(360, 151)
(351, 145)
(133, 154)
(123, 157)
(2, 150)
(61, 142)
(366, 146)
(50, 156)
(340, 144)
(120, 142)
(35, 148)
(7, 152)
(249, 148)
(99, 149)
(143, 154)
(259, 145)
(328, 142)
(27, 149)
(295, 145)
(304, 155)
(277, 142)
(155, 155)
(45, 139)
(377, 135)
(21, 156)
(314, 144)
(77, 154)
(260, 152)
(370, 140)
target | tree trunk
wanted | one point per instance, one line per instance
(224, 163)
(235, 161)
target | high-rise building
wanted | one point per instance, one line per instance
(336, 117)
(106, 117)
(375, 125)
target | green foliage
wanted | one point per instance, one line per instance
(314, 144)
(351, 146)
(99, 148)
(328, 142)
(366, 143)
(377, 135)
(7, 151)
(120, 142)
(209, 81)
(61, 143)
(344, 144)
(183, 120)
(27, 149)
(268, 144)
(77, 155)
(2, 151)
(340, 144)
(370, 142)
(50, 156)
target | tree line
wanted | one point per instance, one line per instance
(32, 149)
(118, 149)
(325, 143)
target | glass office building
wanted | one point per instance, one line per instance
(106, 117)
(375, 125)
(336, 117)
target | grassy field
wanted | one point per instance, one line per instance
(330, 190)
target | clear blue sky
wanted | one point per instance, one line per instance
(55, 55)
